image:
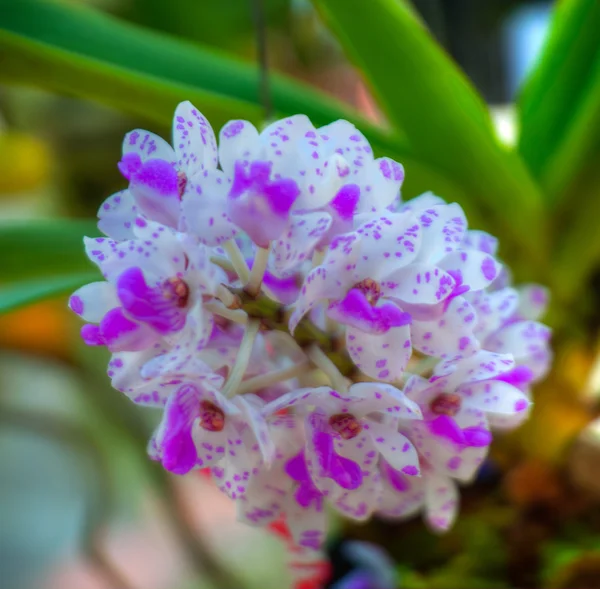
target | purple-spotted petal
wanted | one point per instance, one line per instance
(387, 242)
(480, 241)
(321, 283)
(252, 407)
(495, 397)
(441, 501)
(384, 356)
(117, 214)
(380, 182)
(449, 335)
(92, 301)
(258, 204)
(158, 307)
(297, 242)
(193, 139)
(238, 140)
(173, 439)
(369, 397)
(356, 311)
(204, 208)
(528, 342)
(533, 300)
(120, 334)
(402, 495)
(323, 397)
(418, 284)
(482, 365)
(444, 228)
(396, 448)
(477, 270)
(493, 309)
(144, 145)
(155, 189)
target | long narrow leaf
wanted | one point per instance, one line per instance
(77, 50)
(559, 106)
(41, 249)
(23, 293)
(445, 120)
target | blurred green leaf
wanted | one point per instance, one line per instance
(44, 249)
(23, 293)
(76, 50)
(445, 120)
(559, 106)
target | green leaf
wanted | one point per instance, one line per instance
(76, 50)
(26, 292)
(445, 120)
(42, 249)
(559, 106)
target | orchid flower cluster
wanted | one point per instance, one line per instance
(313, 340)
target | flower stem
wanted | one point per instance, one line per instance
(241, 363)
(257, 273)
(235, 315)
(237, 259)
(322, 361)
(265, 380)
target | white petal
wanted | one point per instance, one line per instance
(327, 281)
(360, 503)
(380, 182)
(238, 140)
(493, 309)
(441, 501)
(344, 138)
(450, 335)
(204, 208)
(401, 497)
(367, 397)
(522, 339)
(418, 284)
(477, 269)
(147, 145)
(482, 365)
(193, 139)
(281, 143)
(496, 398)
(453, 460)
(322, 180)
(387, 242)
(481, 241)
(297, 243)
(382, 356)
(397, 449)
(423, 201)
(533, 300)
(117, 214)
(251, 407)
(321, 397)
(307, 525)
(92, 301)
(443, 229)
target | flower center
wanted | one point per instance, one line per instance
(446, 404)
(370, 288)
(212, 418)
(346, 425)
(181, 183)
(175, 289)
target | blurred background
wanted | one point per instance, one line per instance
(81, 506)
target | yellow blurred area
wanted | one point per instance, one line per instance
(25, 162)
